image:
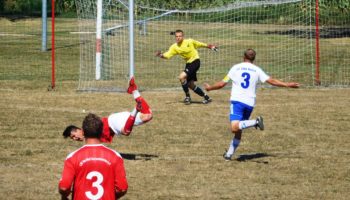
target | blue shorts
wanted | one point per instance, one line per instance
(240, 111)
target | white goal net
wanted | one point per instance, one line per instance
(281, 32)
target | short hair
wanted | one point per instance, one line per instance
(68, 130)
(179, 31)
(92, 126)
(250, 54)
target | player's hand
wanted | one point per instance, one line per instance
(293, 85)
(159, 54)
(206, 86)
(213, 47)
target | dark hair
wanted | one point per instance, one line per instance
(68, 130)
(250, 54)
(92, 126)
(179, 31)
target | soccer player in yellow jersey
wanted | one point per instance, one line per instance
(187, 49)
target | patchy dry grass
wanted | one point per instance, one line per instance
(302, 154)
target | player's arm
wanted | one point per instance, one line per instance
(279, 83)
(121, 184)
(159, 54)
(170, 53)
(198, 44)
(119, 194)
(217, 85)
(64, 193)
(65, 184)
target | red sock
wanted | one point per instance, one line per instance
(129, 124)
(145, 106)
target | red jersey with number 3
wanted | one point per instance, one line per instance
(95, 171)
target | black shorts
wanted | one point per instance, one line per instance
(191, 70)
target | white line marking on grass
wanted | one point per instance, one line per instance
(82, 32)
(16, 35)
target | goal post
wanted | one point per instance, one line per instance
(98, 39)
(281, 31)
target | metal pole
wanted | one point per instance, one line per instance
(317, 36)
(131, 38)
(99, 39)
(44, 25)
(53, 81)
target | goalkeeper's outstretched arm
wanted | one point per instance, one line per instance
(212, 47)
(159, 54)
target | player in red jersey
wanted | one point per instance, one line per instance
(118, 123)
(93, 171)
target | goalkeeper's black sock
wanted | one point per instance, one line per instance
(198, 91)
(185, 88)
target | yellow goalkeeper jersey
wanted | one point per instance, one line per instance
(187, 50)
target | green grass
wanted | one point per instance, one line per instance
(304, 151)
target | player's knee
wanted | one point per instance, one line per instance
(146, 117)
(235, 127)
(182, 77)
(235, 131)
(182, 80)
(126, 133)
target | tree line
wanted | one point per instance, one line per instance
(33, 7)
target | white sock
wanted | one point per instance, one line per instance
(136, 94)
(246, 124)
(134, 112)
(233, 146)
(138, 120)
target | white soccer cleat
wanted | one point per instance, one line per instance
(227, 157)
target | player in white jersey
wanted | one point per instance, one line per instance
(245, 76)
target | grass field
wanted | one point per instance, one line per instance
(304, 153)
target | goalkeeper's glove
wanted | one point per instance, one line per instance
(212, 47)
(159, 54)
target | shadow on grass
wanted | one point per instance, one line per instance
(68, 46)
(251, 157)
(326, 32)
(138, 156)
(192, 102)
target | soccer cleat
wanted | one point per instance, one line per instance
(259, 123)
(132, 86)
(187, 100)
(226, 157)
(207, 99)
(139, 105)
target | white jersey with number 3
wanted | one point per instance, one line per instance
(245, 77)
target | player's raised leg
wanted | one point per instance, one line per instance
(145, 113)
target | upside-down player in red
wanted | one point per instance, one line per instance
(118, 123)
(93, 171)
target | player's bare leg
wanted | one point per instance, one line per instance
(184, 84)
(235, 140)
(236, 128)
